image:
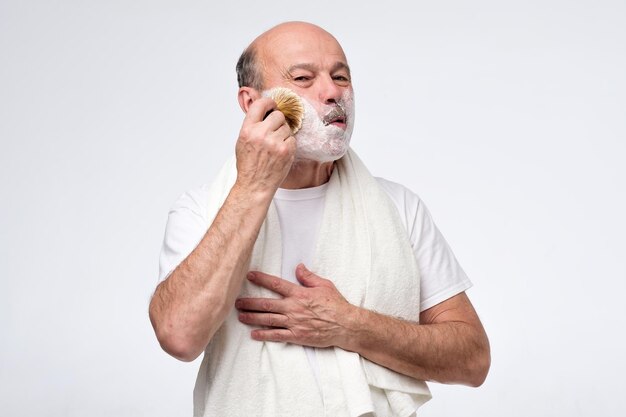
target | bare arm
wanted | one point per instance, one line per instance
(449, 345)
(192, 303)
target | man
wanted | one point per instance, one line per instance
(301, 277)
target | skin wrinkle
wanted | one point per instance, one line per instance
(443, 312)
(287, 74)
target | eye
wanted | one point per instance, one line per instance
(341, 80)
(301, 78)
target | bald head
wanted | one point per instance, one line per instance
(253, 62)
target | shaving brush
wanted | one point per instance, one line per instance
(289, 104)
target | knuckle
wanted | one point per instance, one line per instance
(266, 305)
(273, 147)
(244, 133)
(283, 151)
(257, 135)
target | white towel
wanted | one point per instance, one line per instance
(364, 249)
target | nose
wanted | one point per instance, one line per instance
(329, 91)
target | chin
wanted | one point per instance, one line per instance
(322, 143)
(322, 156)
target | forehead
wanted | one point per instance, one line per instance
(284, 49)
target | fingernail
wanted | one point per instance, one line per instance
(250, 275)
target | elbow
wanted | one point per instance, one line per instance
(479, 368)
(175, 343)
(479, 375)
(179, 349)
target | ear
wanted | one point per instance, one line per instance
(247, 96)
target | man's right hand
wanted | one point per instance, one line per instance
(265, 149)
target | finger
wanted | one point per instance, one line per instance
(264, 319)
(274, 120)
(292, 144)
(282, 133)
(271, 305)
(308, 278)
(273, 283)
(273, 335)
(259, 108)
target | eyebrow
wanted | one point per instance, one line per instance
(312, 67)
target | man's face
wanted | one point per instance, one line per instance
(311, 63)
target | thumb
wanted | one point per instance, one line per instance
(306, 277)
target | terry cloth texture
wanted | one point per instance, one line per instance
(364, 249)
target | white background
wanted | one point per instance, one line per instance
(507, 118)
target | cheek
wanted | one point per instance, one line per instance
(347, 100)
(310, 103)
(311, 122)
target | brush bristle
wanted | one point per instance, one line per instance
(290, 104)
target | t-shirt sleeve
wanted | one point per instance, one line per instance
(441, 275)
(186, 225)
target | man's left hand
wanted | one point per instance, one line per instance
(314, 314)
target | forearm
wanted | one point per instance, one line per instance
(192, 303)
(447, 352)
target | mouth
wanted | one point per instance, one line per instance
(336, 117)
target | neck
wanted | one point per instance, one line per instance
(305, 173)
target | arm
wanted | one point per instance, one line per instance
(449, 345)
(191, 304)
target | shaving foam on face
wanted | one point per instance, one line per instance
(320, 141)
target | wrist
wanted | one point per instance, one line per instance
(254, 195)
(354, 325)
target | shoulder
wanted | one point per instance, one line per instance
(398, 192)
(441, 275)
(406, 201)
(194, 200)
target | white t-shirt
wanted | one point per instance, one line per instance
(441, 276)
(300, 217)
